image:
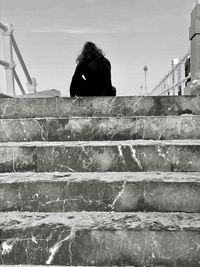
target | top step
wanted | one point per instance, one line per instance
(99, 106)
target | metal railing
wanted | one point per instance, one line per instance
(175, 81)
(9, 44)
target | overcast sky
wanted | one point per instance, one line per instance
(132, 33)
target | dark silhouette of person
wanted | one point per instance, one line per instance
(92, 76)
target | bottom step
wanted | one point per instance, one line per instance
(100, 239)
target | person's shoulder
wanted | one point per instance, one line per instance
(106, 61)
(80, 65)
(101, 60)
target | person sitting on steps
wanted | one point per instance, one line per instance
(92, 76)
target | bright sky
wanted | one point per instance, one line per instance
(132, 33)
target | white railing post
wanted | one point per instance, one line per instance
(7, 40)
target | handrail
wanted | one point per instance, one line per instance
(4, 63)
(3, 27)
(8, 63)
(171, 72)
(28, 77)
(177, 84)
(19, 83)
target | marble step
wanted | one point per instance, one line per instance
(102, 239)
(119, 192)
(102, 156)
(99, 106)
(28, 265)
(100, 128)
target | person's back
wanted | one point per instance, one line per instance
(98, 77)
(92, 76)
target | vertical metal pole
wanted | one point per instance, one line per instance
(145, 77)
(173, 78)
(141, 89)
(7, 40)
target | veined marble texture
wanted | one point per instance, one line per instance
(118, 192)
(99, 106)
(102, 156)
(104, 128)
(102, 239)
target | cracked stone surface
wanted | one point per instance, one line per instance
(96, 128)
(64, 192)
(77, 187)
(99, 106)
(104, 239)
(94, 156)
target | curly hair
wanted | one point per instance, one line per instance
(90, 51)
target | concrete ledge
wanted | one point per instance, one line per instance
(104, 128)
(2, 95)
(62, 266)
(99, 106)
(46, 192)
(42, 94)
(103, 239)
(102, 156)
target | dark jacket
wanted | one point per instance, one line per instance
(92, 78)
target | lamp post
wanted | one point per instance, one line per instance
(141, 89)
(145, 77)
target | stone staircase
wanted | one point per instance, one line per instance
(100, 181)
